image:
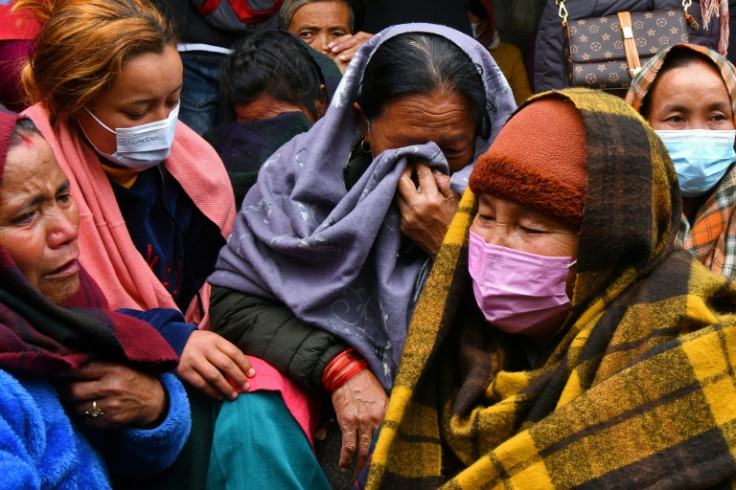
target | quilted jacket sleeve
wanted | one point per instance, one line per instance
(270, 331)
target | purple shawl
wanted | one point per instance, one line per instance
(332, 255)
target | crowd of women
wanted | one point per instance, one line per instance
(422, 286)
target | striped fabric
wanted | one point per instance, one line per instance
(638, 388)
(712, 237)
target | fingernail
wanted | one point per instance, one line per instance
(246, 386)
(343, 57)
(251, 372)
(233, 395)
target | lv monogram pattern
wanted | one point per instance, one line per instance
(594, 47)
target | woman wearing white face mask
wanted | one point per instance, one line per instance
(687, 95)
(577, 346)
(154, 198)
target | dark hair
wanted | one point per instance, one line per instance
(420, 63)
(289, 8)
(678, 57)
(272, 63)
(23, 127)
(476, 8)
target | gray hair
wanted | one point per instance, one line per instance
(289, 8)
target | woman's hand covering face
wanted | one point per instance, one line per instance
(426, 210)
(444, 118)
(344, 47)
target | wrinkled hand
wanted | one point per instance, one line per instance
(126, 396)
(206, 361)
(360, 405)
(426, 212)
(344, 47)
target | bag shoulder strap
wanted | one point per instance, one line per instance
(563, 13)
(632, 56)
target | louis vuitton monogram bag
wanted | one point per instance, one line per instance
(606, 52)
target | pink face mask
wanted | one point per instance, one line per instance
(519, 292)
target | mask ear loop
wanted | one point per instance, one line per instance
(98, 122)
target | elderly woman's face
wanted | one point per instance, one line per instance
(146, 91)
(39, 219)
(690, 97)
(507, 224)
(320, 23)
(442, 117)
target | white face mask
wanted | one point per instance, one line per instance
(140, 147)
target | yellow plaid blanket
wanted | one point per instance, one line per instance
(637, 390)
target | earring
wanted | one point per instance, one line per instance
(364, 145)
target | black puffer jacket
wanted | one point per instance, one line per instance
(549, 65)
(270, 331)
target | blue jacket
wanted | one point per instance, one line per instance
(41, 447)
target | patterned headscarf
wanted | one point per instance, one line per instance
(635, 391)
(39, 338)
(334, 256)
(712, 236)
(642, 82)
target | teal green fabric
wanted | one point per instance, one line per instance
(266, 433)
(189, 471)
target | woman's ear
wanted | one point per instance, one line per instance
(362, 121)
(322, 102)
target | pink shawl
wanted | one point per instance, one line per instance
(106, 249)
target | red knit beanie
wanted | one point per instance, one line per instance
(538, 160)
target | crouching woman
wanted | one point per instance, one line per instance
(85, 393)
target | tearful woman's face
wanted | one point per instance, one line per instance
(442, 117)
(39, 219)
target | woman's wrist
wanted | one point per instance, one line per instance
(157, 409)
(342, 368)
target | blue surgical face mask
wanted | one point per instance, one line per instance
(701, 157)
